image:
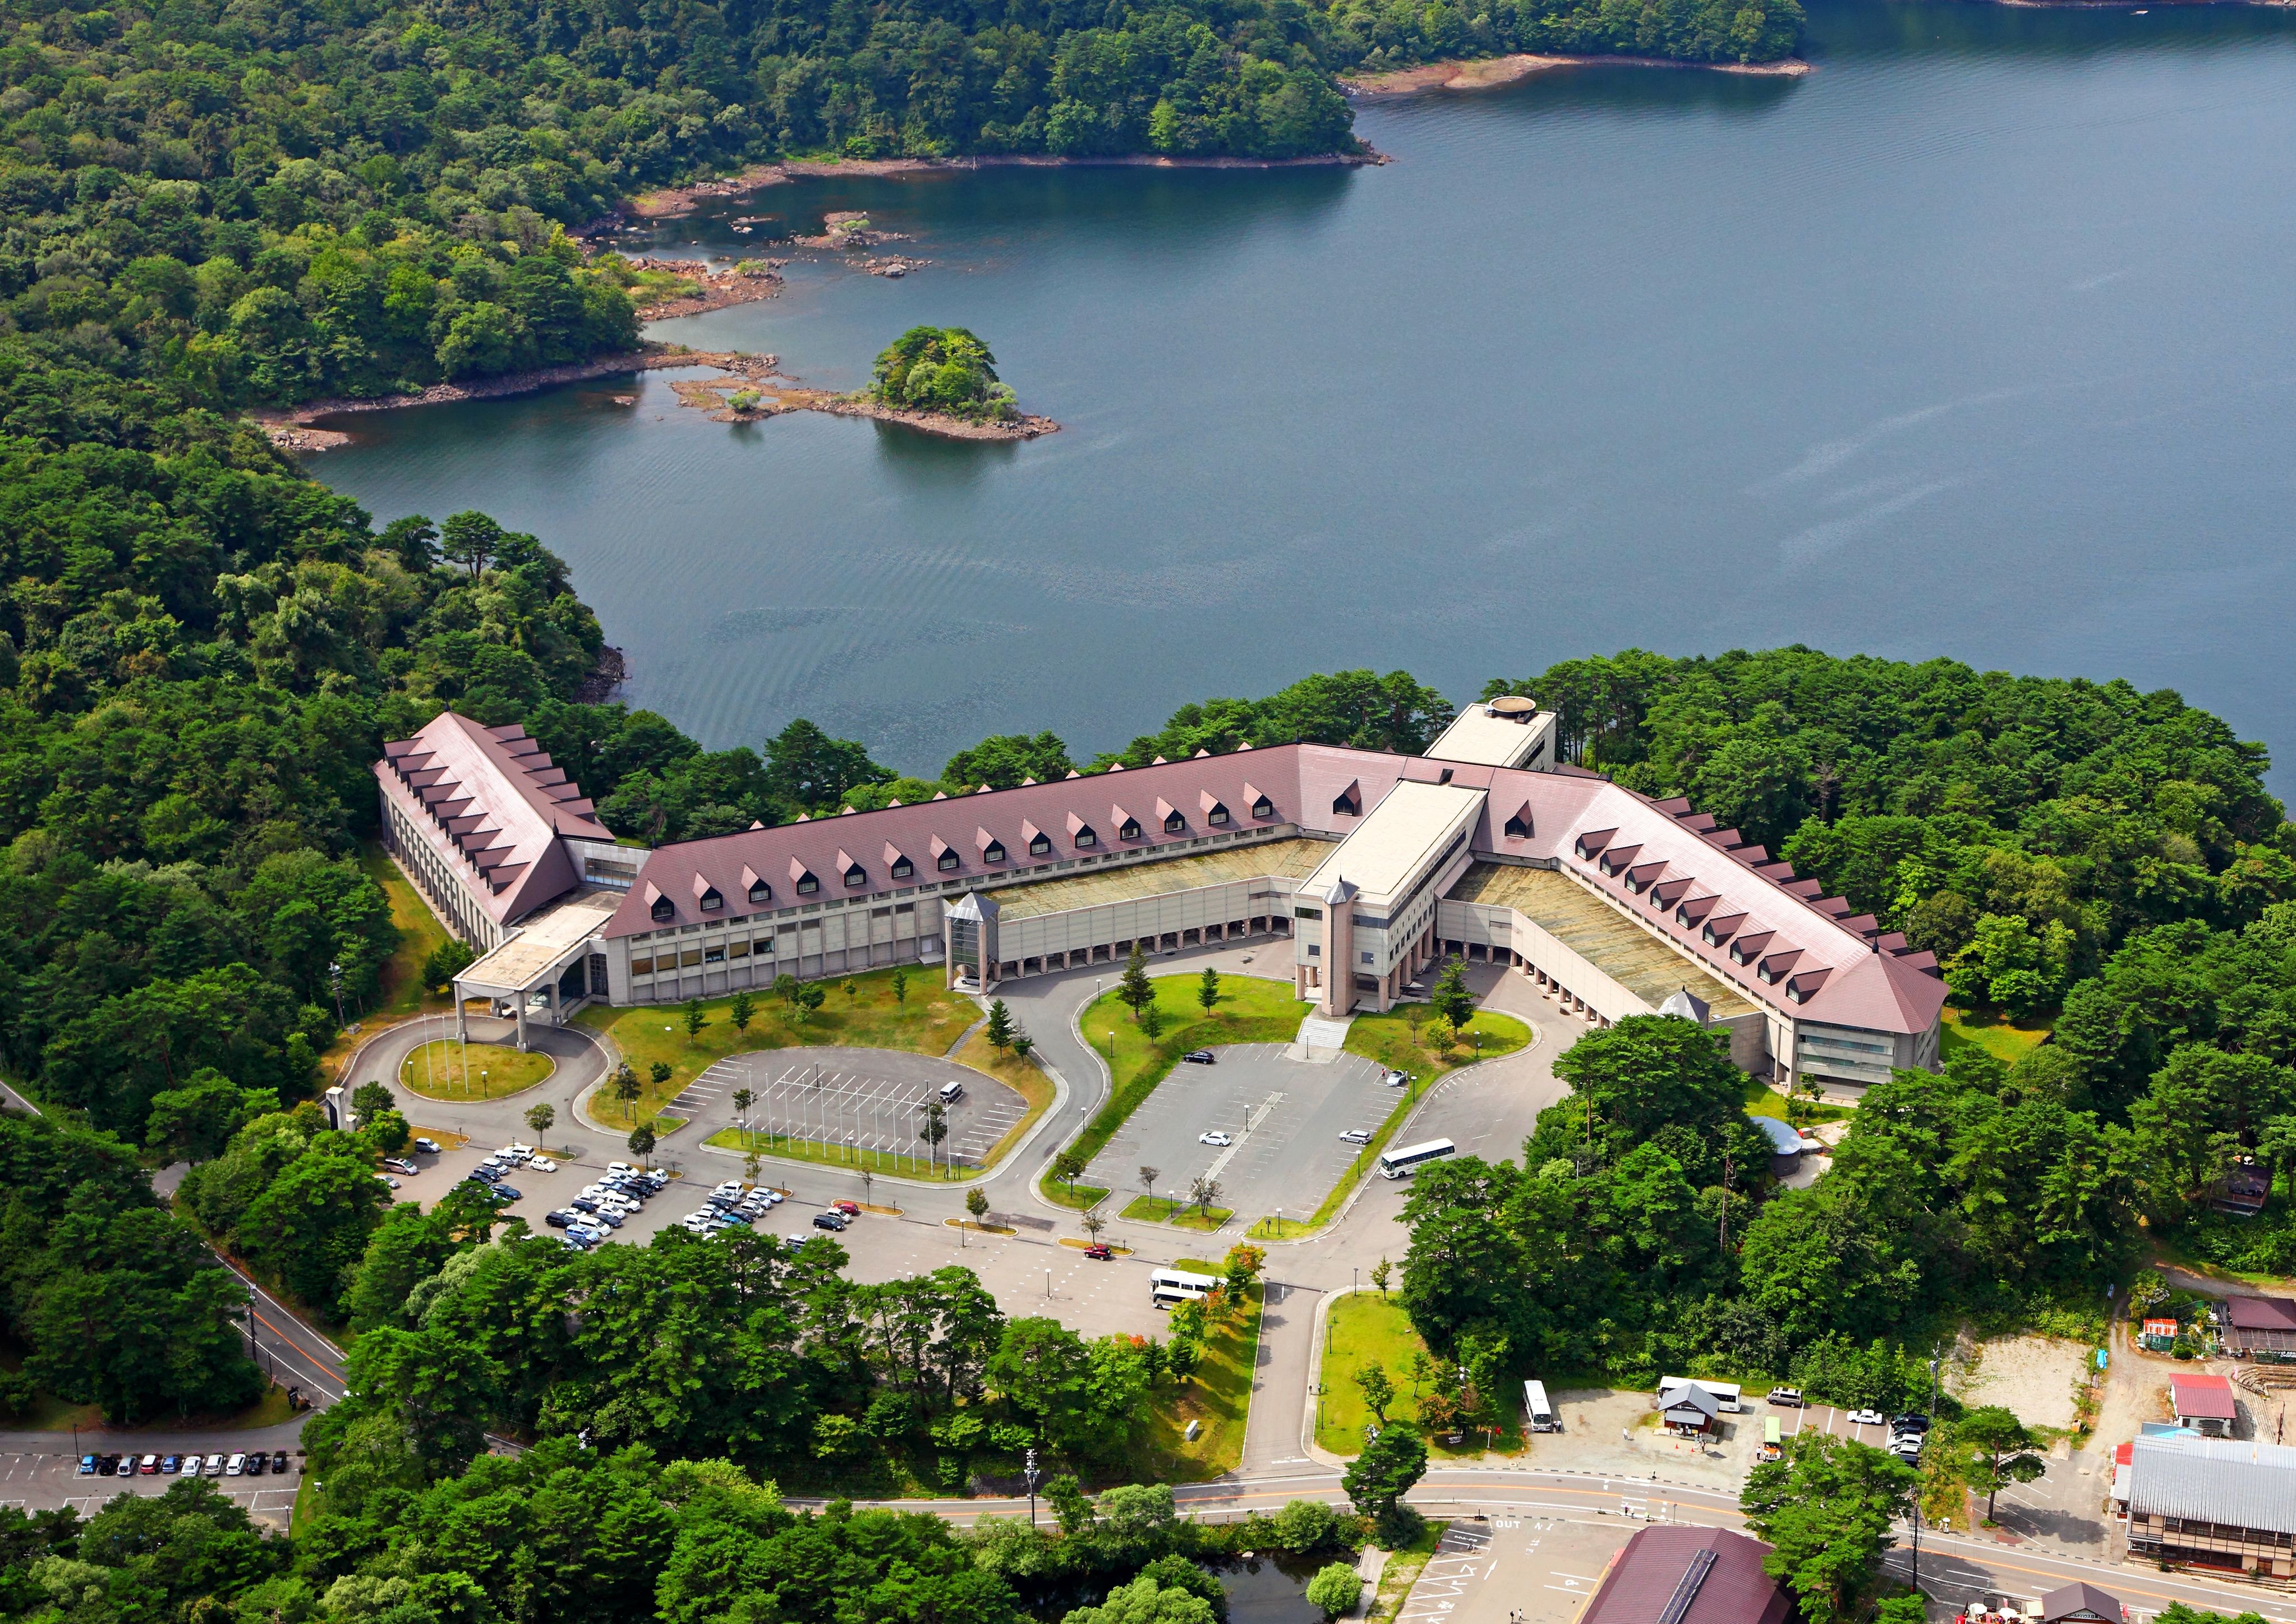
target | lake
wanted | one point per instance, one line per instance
(1977, 341)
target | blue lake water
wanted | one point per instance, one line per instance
(1978, 341)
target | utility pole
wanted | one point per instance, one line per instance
(1032, 1486)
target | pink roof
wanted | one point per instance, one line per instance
(1830, 966)
(491, 800)
(2203, 1397)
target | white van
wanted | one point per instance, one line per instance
(1537, 1414)
(950, 1093)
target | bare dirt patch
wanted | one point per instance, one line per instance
(2033, 1377)
(1489, 72)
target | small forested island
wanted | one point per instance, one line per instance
(939, 380)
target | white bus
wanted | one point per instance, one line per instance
(1397, 1164)
(1538, 1414)
(1168, 1286)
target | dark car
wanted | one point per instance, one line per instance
(255, 1462)
(278, 1460)
(583, 1203)
(1910, 1421)
(1100, 1250)
(610, 1219)
(829, 1220)
(506, 1194)
(109, 1466)
(1200, 1057)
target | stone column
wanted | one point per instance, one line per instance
(518, 1003)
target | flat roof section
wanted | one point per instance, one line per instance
(1269, 860)
(1478, 736)
(545, 938)
(1407, 828)
(1589, 927)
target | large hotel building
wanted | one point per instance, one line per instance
(1374, 867)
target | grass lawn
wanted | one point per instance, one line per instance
(1394, 1041)
(1365, 1328)
(1164, 1209)
(420, 933)
(1764, 1101)
(927, 1022)
(1219, 1395)
(2007, 1040)
(445, 1069)
(1249, 1010)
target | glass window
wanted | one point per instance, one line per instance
(1131, 830)
(642, 966)
(1263, 807)
(903, 868)
(947, 861)
(1307, 913)
(712, 901)
(1175, 824)
(857, 875)
(994, 852)
(1344, 804)
(808, 885)
(1038, 847)
(1217, 814)
(1085, 837)
(713, 955)
(737, 949)
(692, 956)
(761, 892)
(662, 910)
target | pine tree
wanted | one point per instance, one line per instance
(1451, 999)
(1000, 1027)
(1137, 991)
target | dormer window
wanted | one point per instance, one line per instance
(1518, 827)
(1174, 823)
(1129, 830)
(1039, 846)
(807, 885)
(759, 891)
(947, 860)
(903, 868)
(663, 912)
(1217, 816)
(856, 876)
(1263, 807)
(993, 852)
(712, 899)
(1345, 805)
(1084, 836)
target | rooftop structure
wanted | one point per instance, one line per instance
(1509, 731)
(480, 817)
(2204, 1402)
(2214, 1500)
(2080, 1602)
(1681, 1574)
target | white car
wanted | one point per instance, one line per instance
(1357, 1135)
(620, 1167)
(1214, 1138)
(388, 1180)
(215, 1465)
(426, 1145)
(1867, 1418)
(542, 1164)
(774, 1198)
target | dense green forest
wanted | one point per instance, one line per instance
(596, 1537)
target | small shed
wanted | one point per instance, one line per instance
(2080, 1602)
(1689, 1410)
(2204, 1404)
(2158, 1336)
(1785, 1144)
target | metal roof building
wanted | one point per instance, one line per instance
(1678, 1574)
(2215, 1502)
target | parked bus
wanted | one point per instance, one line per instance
(1397, 1164)
(1537, 1414)
(1168, 1286)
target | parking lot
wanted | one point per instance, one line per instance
(42, 1482)
(1285, 1116)
(873, 1100)
(1538, 1569)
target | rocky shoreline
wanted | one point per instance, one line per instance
(293, 428)
(774, 398)
(1490, 72)
(718, 289)
(672, 201)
